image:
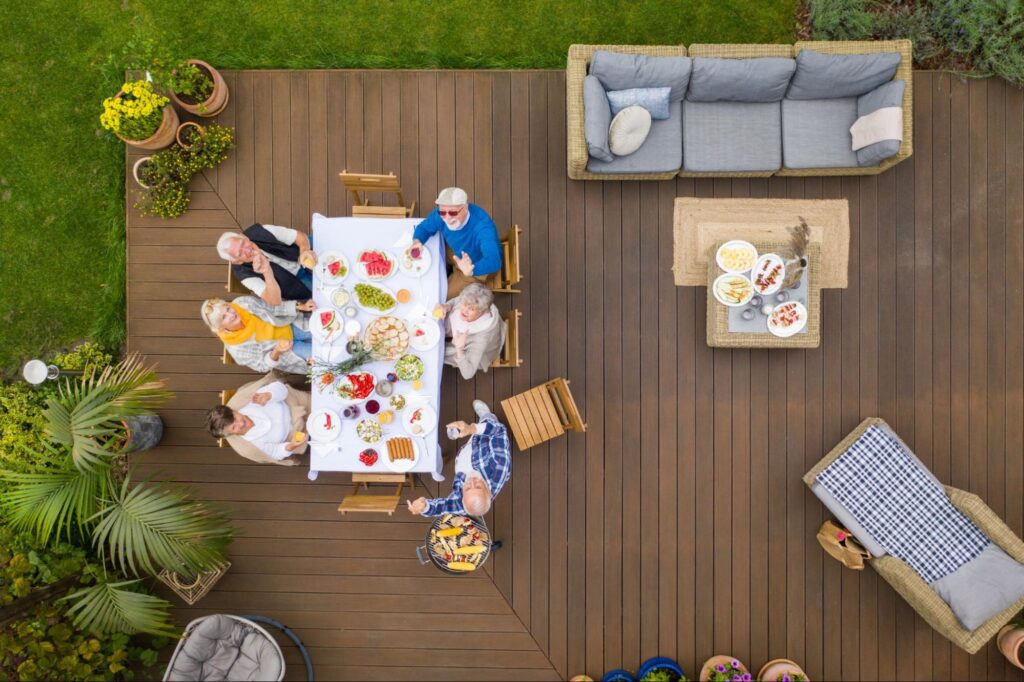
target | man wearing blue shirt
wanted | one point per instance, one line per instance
(470, 235)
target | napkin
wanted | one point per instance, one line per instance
(403, 241)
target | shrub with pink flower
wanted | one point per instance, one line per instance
(732, 671)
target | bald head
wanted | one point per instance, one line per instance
(476, 496)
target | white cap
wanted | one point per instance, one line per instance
(452, 196)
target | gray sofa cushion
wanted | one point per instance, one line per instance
(597, 116)
(661, 152)
(885, 95)
(620, 71)
(732, 136)
(654, 100)
(827, 76)
(983, 587)
(816, 133)
(763, 79)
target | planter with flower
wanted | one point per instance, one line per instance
(140, 116)
(166, 175)
(724, 669)
(194, 85)
(660, 669)
(1011, 643)
(782, 670)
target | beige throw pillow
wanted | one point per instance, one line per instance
(628, 130)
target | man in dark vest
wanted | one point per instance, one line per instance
(271, 261)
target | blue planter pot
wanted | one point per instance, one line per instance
(659, 662)
(618, 676)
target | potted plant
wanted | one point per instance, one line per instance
(660, 669)
(137, 170)
(1010, 640)
(193, 84)
(166, 175)
(782, 670)
(140, 116)
(724, 669)
(188, 133)
(618, 675)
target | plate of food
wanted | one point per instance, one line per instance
(424, 333)
(369, 431)
(355, 387)
(419, 420)
(375, 298)
(323, 426)
(375, 265)
(415, 260)
(326, 324)
(333, 267)
(732, 290)
(387, 337)
(409, 367)
(787, 319)
(768, 273)
(402, 453)
(736, 256)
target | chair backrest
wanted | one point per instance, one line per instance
(506, 279)
(360, 183)
(225, 396)
(234, 286)
(565, 404)
(361, 211)
(226, 358)
(509, 356)
(542, 413)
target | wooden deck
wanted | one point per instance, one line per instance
(678, 524)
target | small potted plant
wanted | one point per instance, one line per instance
(1010, 640)
(140, 116)
(660, 669)
(724, 669)
(782, 670)
(167, 173)
(618, 675)
(193, 84)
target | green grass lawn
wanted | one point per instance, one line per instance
(61, 177)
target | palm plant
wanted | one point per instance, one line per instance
(140, 529)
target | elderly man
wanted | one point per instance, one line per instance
(271, 261)
(264, 421)
(470, 235)
(482, 468)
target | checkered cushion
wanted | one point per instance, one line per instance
(901, 506)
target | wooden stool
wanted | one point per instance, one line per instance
(510, 351)
(506, 279)
(542, 413)
(357, 183)
(361, 501)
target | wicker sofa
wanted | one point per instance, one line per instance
(921, 597)
(578, 63)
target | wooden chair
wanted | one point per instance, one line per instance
(234, 286)
(226, 358)
(361, 501)
(359, 183)
(506, 279)
(542, 413)
(510, 351)
(225, 396)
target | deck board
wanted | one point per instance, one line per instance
(677, 524)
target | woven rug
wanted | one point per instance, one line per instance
(700, 224)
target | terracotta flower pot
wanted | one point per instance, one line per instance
(718, 660)
(183, 128)
(774, 670)
(218, 98)
(581, 678)
(164, 135)
(137, 169)
(1010, 641)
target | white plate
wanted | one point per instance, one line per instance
(765, 263)
(337, 325)
(418, 267)
(316, 425)
(345, 402)
(796, 328)
(321, 263)
(428, 418)
(431, 329)
(403, 465)
(374, 311)
(735, 244)
(726, 302)
(361, 268)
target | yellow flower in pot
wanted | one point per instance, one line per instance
(140, 116)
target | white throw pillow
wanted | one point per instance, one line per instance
(628, 130)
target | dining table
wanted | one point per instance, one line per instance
(352, 237)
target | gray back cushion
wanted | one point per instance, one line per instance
(764, 79)
(985, 586)
(620, 71)
(597, 116)
(885, 95)
(825, 76)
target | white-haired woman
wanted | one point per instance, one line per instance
(262, 336)
(476, 330)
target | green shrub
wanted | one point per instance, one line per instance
(168, 172)
(22, 424)
(842, 19)
(989, 32)
(85, 356)
(909, 20)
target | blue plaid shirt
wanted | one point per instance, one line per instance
(492, 459)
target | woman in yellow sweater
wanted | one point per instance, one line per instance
(262, 336)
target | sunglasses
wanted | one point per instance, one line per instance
(450, 214)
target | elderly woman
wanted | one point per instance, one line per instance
(262, 336)
(476, 330)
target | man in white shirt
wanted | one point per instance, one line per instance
(273, 262)
(265, 423)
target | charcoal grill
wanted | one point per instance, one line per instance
(426, 554)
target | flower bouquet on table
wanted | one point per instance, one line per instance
(359, 356)
(724, 669)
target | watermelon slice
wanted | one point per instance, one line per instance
(376, 264)
(326, 318)
(334, 267)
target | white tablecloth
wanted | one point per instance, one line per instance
(350, 236)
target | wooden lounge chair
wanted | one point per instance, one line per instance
(362, 501)
(360, 183)
(912, 587)
(510, 351)
(542, 413)
(225, 396)
(506, 279)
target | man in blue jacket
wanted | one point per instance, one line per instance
(470, 235)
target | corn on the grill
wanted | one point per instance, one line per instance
(448, 532)
(461, 566)
(466, 551)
